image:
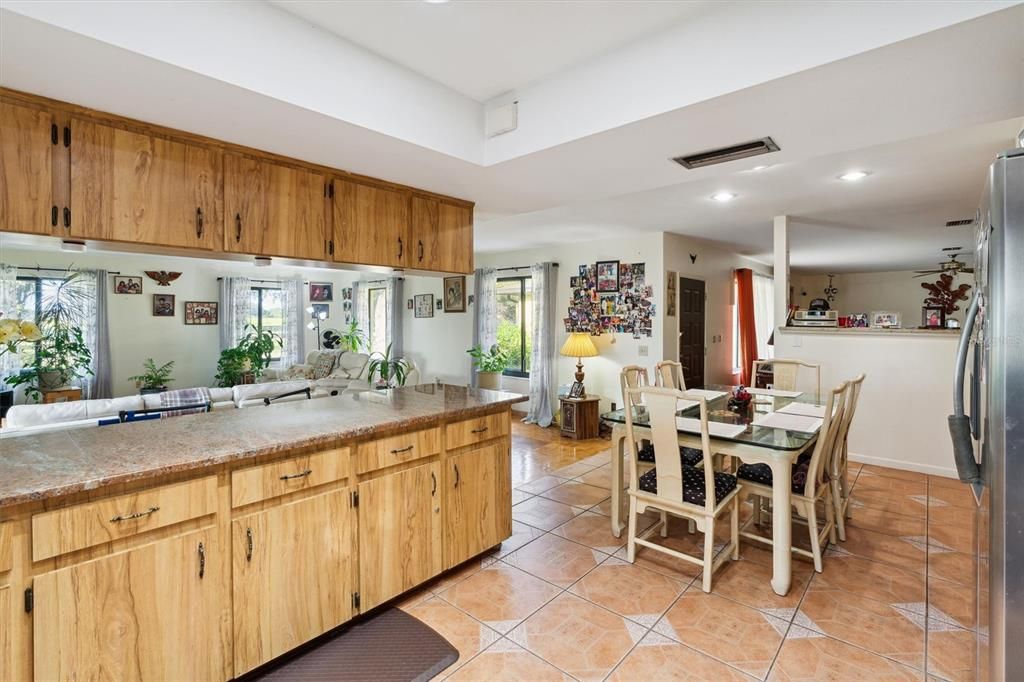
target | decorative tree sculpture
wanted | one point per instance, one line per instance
(942, 293)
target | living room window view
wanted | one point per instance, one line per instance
(500, 340)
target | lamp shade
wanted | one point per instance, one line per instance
(579, 345)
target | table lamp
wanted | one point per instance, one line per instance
(579, 345)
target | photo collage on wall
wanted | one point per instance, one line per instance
(613, 297)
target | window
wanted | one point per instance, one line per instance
(266, 312)
(377, 314)
(515, 322)
(30, 294)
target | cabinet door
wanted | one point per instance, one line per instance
(26, 166)
(6, 616)
(292, 576)
(152, 613)
(399, 533)
(442, 236)
(478, 502)
(274, 210)
(131, 187)
(371, 225)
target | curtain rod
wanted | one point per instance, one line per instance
(265, 281)
(41, 269)
(521, 267)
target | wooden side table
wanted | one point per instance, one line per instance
(580, 417)
(62, 395)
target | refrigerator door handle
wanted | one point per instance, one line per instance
(959, 423)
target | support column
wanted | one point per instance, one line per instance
(781, 262)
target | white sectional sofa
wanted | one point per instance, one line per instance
(345, 368)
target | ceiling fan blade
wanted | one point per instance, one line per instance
(926, 274)
(969, 271)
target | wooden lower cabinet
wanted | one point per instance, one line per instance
(399, 533)
(478, 502)
(5, 631)
(157, 612)
(292, 575)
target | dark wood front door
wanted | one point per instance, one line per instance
(691, 331)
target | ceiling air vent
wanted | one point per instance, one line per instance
(732, 153)
(960, 223)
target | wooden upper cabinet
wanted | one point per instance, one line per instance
(133, 187)
(27, 170)
(442, 234)
(274, 210)
(371, 225)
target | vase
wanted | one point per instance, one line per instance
(50, 379)
(489, 380)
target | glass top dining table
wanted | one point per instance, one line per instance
(718, 411)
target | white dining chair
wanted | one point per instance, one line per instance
(839, 474)
(699, 494)
(669, 374)
(810, 480)
(785, 372)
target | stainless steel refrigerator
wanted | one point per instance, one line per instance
(988, 432)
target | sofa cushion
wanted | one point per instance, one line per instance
(350, 366)
(23, 416)
(109, 407)
(245, 392)
(324, 365)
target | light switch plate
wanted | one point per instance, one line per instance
(642, 351)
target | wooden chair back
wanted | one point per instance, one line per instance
(632, 376)
(824, 447)
(669, 374)
(853, 387)
(784, 373)
(662, 404)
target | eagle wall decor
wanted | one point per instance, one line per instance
(162, 277)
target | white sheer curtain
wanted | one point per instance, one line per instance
(485, 311)
(293, 329)
(95, 330)
(9, 362)
(235, 309)
(395, 289)
(360, 310)
(764, 312)
(542, 356)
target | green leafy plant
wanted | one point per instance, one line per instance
(233, 363)
(153, 376)
(390, 371)
(252, 354)
(494, 360)
(350, 339)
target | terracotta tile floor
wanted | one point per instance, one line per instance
(558, 601)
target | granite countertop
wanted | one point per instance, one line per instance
(36, 467)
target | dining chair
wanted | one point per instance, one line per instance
(810, 480)
(840, 481)
(669, 374)
(784, 373)
(699, 494)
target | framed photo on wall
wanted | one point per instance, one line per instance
(607, 276)
(201, 312)
(933, 316)
(163, 305)
(455, 294)
(424, 305)
(127, 285)
(319, 308)
(321, 292)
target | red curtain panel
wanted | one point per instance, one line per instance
(747, 328)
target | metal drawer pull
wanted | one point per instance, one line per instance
(202, 561)
(401, 247)
(301, 474)
(399, 451)
(248, 544)
(480, 430)
(134, 515)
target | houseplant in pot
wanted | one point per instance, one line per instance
(154, 379)
(252, 354)
(389, 372)
(489, 365)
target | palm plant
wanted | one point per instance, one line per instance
(153, 378)
(391, 371)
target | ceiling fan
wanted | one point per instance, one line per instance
(949, 267)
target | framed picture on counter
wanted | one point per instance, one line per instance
(933, 316)
(885, 320)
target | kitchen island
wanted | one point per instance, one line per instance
(201, 547)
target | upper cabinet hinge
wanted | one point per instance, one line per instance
(30, 600)
(67, 136)
(53, 133)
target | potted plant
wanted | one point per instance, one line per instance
(252, 354)
(351, 339)
(489, 365)
(154, 379)
(390, 372)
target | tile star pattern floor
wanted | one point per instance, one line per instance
(558, 601)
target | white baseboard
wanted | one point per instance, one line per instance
(948, 472)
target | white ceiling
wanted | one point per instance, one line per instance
(483, 48)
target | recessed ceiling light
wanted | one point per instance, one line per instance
(723, 197)
(854, 175)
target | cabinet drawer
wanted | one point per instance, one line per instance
(6, 531)
(286, 476)
(92, 523)
(477, 430)
(397, 449)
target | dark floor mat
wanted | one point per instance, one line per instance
(389, 647)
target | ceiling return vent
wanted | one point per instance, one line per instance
(960, 223)
(734, 152)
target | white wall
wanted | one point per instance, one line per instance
(864, 292)
(135, 334)
(906, 397)
(438, 344)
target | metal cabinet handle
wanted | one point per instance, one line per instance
(53, 216)
(199, 222)
(238, 227)
(433, 484)
(458, 477)
(67, 218)
(301, 474)
(134, 515)
(248, 544)
(482, 429)
(420, 242)
(202, 560)
(399, 451)
(401, 247)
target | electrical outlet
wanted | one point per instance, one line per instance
(642, 350)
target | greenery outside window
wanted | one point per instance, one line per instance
(29, 294)
(515, 323)
(265, 304)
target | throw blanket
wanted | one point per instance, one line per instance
(183, 397)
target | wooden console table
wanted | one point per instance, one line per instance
(61, 395)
